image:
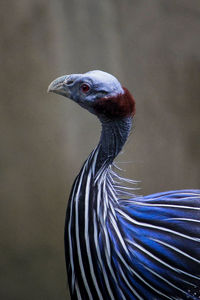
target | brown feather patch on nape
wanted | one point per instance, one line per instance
(119, 106)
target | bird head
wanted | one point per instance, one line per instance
(97, 91)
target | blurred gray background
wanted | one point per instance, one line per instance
(153, 47)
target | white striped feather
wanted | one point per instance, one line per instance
(142, 224)
(140, 277)
(132, 201)
(87, 195)
(118, 233)
(78, 291)
(183, 219)
(100, 258)
(177, 250)
(160, 260)
(165, 280)
(70, 239)
(105, 200)
(128, 284)
(108, 189)
(77, 235)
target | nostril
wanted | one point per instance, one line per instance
(69, 82)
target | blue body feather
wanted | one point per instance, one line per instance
(144, 247)
(119, 246)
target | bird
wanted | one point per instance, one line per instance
(120, 245)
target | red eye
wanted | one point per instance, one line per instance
(85, 88)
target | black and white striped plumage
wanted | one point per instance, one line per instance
(120, 246)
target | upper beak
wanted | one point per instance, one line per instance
(59, 86)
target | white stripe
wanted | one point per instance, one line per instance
(185, 219)
(112, 192)
(155, 227)
(70, 238)
(161, 261)
(107, 248)
(130, 287)
(121, 193)
(96, 151)
(168, 196)
(105, 201)
(119, 234)
(163, 205)
(123, 179)
(138, 276)
(87, 193)
(108, 257)
(177, 250)
(77, 236)
(113, 274)
(100, 259)
(112, 210)
(124, 187)
(164, 279)
(100, 172)
(98, 201)
(78, 291)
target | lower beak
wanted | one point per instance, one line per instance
(59, 86)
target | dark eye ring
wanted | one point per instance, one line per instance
(85, 88)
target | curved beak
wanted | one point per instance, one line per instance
(59, 86)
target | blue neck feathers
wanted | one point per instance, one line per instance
(113, 137)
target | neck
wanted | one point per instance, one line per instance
(113, 137)
(92, 203)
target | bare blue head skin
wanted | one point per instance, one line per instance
(74, 86)
(85, 89)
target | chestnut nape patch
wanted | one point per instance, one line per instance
(119, 106)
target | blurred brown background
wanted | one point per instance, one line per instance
(153, 47)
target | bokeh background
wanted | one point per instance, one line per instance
(153, 47)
